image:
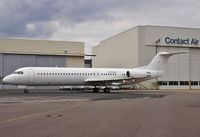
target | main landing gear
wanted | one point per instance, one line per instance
(105, 90)
(25, 91)
(95, 90)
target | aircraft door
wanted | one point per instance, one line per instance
(31, 76)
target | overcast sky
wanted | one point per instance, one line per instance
(91, 21)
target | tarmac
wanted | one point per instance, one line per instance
(55, 113)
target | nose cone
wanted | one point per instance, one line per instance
(8, 80)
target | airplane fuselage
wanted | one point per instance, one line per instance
(56, 76)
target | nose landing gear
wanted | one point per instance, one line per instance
(25, 91)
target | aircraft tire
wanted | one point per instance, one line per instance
(25, 91)
(95, 90)
(106, 90)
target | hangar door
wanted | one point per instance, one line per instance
(194, 62)
(178, 69)
(50, 61)
(11, 62)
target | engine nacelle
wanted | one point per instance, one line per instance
(138, 73)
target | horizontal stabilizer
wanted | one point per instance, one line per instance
(170, 54)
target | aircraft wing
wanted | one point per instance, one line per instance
(104, 81)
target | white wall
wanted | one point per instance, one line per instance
(153, 33)
(120, 51)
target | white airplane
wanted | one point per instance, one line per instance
(56, 76)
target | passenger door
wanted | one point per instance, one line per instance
(31, 77)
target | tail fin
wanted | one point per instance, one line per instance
(160, 60)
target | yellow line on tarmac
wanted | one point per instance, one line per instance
(33, 115)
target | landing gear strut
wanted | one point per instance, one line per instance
(25, 91)
(106, 90)
(95, 90)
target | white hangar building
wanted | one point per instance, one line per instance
(17, 53)
(137, 47)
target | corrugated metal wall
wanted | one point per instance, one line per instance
(182, 68)
(194, 57)
(11, 62)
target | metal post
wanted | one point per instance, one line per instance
(190, 87)
(1, 71)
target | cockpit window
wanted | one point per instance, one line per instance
(18, 72)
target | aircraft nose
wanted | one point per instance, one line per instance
(7, 80)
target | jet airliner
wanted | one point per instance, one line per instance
(57, 76)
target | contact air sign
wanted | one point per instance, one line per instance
(180, 41)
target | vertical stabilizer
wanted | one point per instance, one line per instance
(159, 62)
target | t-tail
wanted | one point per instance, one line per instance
(159, 62)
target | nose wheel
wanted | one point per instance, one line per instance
(25, 91)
